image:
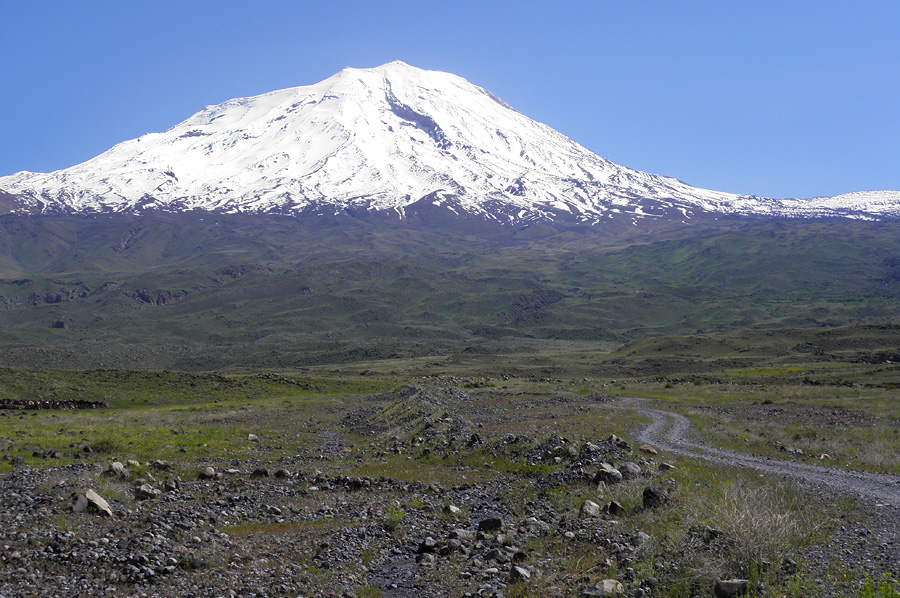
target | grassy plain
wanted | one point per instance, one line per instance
(739, 391)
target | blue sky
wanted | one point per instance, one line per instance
(781, 99)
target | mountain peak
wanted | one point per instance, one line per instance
(387, 139)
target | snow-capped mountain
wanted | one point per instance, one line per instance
(391, 138)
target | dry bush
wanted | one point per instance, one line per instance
(760, 521)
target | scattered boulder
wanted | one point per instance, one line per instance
(97, 503)
(79, 502)
(519, 574)
(604, 587)
(730, 588)
(282, 474)
(259, 472)
(146, 492)
(207, 473)
(646, 448)
(630, 471)
(464, 535)
(589, 509)
(491, 524)
(608, 474)
(615, 508)
(452, 510)
(115, 469)
(655, 496)
(252, 437)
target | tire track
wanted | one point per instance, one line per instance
(671, 432)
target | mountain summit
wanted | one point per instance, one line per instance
(394, 139)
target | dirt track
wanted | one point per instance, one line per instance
(670, 432)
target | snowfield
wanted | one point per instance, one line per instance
(383, 139)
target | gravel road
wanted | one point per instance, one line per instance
(867, 539)
(670, 432)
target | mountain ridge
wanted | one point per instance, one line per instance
(386, 139)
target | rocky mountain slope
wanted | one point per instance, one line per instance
(394, 139)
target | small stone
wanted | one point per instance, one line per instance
(427, 545)
(666, 466)
(282, 474)
(260, 472)
(615, 508)
(207, 473)
(646, 448)
(789, 566)
(252, 437)
(452, 510)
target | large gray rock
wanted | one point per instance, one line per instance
(466, 535)
(730, 588)
(608, 474)
(79, 502)
(491, 524)
(519, 574)
(116, 469)
(604, 587)
(655, 496)
(146, 492)
(630, 471)
(98, 503)
(589, 509)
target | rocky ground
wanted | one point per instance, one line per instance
(516, 515)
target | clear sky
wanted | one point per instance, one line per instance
(774, 98)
